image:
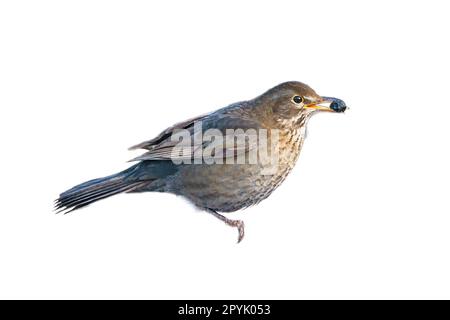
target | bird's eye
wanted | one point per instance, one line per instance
(297, 99)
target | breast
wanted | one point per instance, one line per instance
(290, 146)
(230, 187)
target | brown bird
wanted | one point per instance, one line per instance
(224, 161)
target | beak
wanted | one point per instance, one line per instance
(328, 104)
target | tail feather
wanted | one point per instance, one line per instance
(85, 199)
(81, 192)
(94, 190)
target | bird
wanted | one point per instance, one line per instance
(215, 177)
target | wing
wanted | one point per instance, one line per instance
(197, 139)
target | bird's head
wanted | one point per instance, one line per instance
(294, 102)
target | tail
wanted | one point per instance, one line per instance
(94, 190)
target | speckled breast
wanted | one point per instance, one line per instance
(230, 187)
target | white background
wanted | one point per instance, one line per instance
(365, 213)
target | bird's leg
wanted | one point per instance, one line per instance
(239, 224)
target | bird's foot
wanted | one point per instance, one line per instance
(239, 224)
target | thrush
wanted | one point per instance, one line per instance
(200, 159)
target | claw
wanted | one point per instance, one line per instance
(241, 230)
(239, 224)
